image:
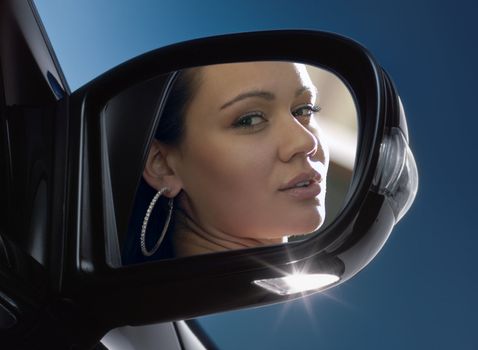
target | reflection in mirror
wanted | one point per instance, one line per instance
(244, 155)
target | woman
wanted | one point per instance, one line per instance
(240, 154)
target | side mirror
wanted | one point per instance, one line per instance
(114, 123)
(255, 154)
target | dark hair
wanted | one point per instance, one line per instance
(170, 131)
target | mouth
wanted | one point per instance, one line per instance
(303, 186)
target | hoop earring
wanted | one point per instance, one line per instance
(145, 223)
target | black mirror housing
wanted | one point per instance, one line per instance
(212, 283)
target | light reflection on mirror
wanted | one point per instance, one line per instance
(248, 154)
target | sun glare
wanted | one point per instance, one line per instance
(297, 283)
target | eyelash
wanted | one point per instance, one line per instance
(311, 109)
(240, 122)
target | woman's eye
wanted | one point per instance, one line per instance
(249, 120)
(305, 111)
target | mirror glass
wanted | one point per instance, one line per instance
(243, 155)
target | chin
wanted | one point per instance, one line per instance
(305, 230)
(309, 224)
(292, 223)
(303, 226)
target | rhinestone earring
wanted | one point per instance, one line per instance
(146, 219)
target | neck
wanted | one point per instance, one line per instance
(190, 238)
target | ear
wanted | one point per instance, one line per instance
(158, 173)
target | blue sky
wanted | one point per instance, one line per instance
(420, 292)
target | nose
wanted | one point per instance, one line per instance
(301, 141)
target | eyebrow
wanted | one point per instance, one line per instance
(310, 89)
(269, 96)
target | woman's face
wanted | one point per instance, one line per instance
(252, 162)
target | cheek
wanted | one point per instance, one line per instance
(227, 163)
(225, 179)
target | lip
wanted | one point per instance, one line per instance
(308, 192)
(312, 176)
